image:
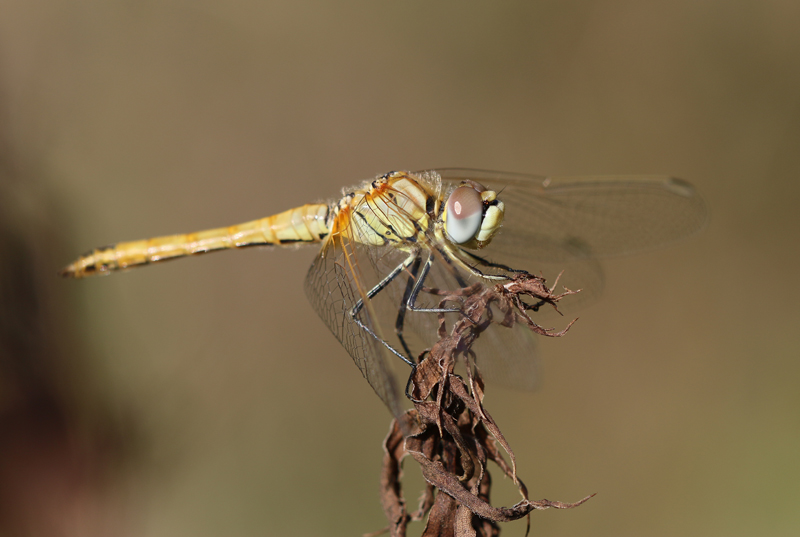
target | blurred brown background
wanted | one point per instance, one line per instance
(194, 398)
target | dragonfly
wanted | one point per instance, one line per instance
(386, 241)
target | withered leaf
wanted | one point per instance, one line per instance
(449, 433)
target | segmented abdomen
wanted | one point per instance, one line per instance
(301, 224)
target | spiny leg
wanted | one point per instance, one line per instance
(414, 285)
(417, 278)
(356, 309)
(409, 298)
(487, 263)
(401, 312)
(412, 299)
(409, 303)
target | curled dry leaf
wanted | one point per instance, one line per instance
(448, 432)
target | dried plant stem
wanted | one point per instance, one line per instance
(449, 433)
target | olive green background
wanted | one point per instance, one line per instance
(232, 409)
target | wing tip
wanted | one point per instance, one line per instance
(680, 187)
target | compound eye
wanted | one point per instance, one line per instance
(464, 214)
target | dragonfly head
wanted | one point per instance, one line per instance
(472, 215)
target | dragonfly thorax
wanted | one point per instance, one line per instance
(393, 209)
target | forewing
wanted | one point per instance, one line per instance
(566, 224)
(334, 285)
(559, 219)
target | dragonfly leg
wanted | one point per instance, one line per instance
(408, 386)
(356, 309)
(394, 351)
(413, 287)
(408, 303)
(411, 300)
(487, 263)
(401, 311)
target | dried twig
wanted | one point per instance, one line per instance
(448, 432)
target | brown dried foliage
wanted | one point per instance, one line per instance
(449, 433)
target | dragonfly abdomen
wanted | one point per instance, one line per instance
(307, 223)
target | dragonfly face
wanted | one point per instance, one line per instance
(472, 215)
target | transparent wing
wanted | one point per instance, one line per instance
(551, 224)
(566, 224)
(556, 219)
(350, 265)
(361, 250)
(506, 356)
(334, 285)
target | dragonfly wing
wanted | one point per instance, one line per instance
(505, 356)
(371, 238)
(566, 218)
(566, 224)
(555, 224)
(334, 286)
(509, 357)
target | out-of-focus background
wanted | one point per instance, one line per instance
(204, 397)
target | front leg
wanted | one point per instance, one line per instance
(356, 309)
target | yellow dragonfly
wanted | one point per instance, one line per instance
(386, 240)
